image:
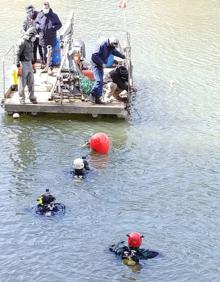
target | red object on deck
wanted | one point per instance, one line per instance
(89, 74)
(100, 143)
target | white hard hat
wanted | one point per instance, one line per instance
(78, 164)
(113, 41)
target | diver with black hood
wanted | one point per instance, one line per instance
(47, 205)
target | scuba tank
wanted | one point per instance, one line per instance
(56, 56)
(14, 78)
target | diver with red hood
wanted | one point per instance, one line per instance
(132, 253)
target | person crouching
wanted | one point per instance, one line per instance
(117, 84)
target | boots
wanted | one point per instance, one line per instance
(98, 100)
(50, 71)
(33, 100)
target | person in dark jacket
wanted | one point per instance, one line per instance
(24, 57)
(99, 60)
(30, 22)
(117, 84)
(132, 253)
(47, 24)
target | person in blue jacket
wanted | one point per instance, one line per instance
(47, 24)
(99, 60)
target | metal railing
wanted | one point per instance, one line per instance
(66, 35)
(11, 55)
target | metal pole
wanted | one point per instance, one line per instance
(13, 50)
(3, 74)
(128, 52)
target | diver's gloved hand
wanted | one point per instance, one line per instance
(133, 89)
(112, 248)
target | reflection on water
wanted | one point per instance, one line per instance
(162, 175)
(135, 268)
(25, 153)
(98, 161)
(23, 159)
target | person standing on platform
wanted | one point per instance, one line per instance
(30, 22)
(24, 57)
(47, 24)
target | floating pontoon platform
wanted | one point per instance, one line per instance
(69, 105)
(60, 92)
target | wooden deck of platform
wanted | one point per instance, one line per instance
(43, 86)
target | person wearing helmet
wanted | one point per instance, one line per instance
(24, 57)
(46, 203)
(31, 15)
(117, 84)
(80, 166)
(132, 253)
(99, 60)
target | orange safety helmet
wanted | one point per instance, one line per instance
(135, 240)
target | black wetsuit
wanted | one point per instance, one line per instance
(86, 164)
(47, 199)
(135, 254)
(47, 203)
(81, 172)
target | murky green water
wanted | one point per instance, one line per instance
(163, 173)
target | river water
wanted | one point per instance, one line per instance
(162, 175)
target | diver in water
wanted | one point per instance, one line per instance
(46, 203)
(80, 167)
(132, 253)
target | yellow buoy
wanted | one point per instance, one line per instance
(14, 77)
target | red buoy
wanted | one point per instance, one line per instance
(100, 143)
